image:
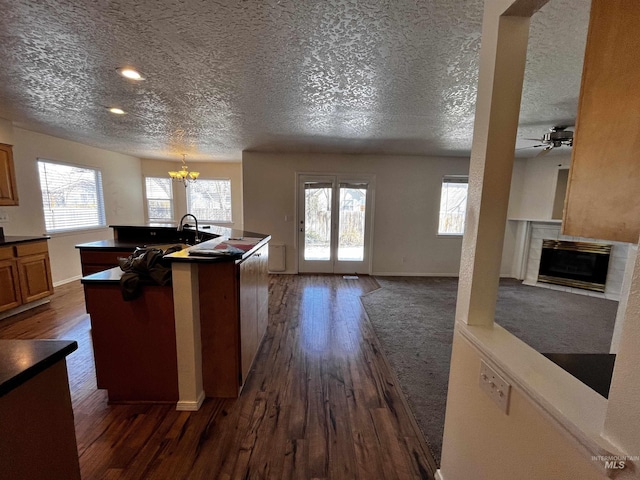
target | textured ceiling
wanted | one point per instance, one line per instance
(351, 76)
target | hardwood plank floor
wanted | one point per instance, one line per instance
(321, 402)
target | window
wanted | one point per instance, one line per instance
(453, 205)
(71, 196)
(210, 200)
(159, 195)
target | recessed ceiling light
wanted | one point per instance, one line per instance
(117, 111)
(130, 73)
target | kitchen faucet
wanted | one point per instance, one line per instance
(181, 227)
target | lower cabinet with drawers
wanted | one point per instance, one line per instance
(25, 273)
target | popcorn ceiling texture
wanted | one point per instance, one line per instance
(349, 76)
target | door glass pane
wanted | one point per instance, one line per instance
(317, 222)
(353, 204)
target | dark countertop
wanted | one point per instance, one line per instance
(112, 275)
(214, 250)
(592, 369)
(251, 244)
(110, 244)
(206, 232)
(21, 360)
(10, 239)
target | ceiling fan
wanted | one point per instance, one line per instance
(556, 137)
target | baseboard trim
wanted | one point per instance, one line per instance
(24, 308)
(189, 405)
(414, 274)
(438, 475)
(66, 280)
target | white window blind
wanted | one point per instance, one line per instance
(453, 205)
(72, 196)
(210, 200)
(159, 195)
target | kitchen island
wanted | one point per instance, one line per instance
(194, 339)
(37, 434)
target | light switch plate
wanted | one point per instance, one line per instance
(495, 386)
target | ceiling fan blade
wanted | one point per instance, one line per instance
(545, 151)
(532, 146)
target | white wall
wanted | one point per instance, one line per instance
(208, 170)
(533, 185)
(406, 204)
(121, 184)
(6, 131)
(482, 442)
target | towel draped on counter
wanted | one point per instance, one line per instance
(145, 266)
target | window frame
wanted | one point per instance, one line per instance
(445, 180)
(210, 220)
(99, 192)
(147, 198)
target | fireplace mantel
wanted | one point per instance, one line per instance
(528, 250)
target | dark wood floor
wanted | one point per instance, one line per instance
(321, 401)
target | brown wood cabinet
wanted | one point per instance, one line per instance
(253, 311)
(602, 197)
(8, 189)
(233, 320)
(134, 343)
(10, 291)
(94, 260)
(25, 274)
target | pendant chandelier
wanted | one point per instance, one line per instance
(184, 175)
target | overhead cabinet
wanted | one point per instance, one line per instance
(8, 190)
(602, 198)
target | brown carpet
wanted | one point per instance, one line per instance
(414, 317)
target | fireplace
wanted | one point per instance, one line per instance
(575, 264)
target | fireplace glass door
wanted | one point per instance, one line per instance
(575, 264)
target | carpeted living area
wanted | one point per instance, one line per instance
(414, 318)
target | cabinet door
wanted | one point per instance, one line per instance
(96, 260)
(35, 277)
(8, 190)
(9, 285)
(248, 315)
(602, 198)
(262, 290)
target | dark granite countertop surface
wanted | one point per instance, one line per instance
(593, 369)
(13, 239)
(111, 275)
(207, 232)
(191, 254)
(21, 360)
(218, 244)
(109, 244)
(224, 248)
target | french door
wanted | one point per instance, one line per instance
(334, 223)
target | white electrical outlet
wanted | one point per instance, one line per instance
(4, 216)
(495, 386)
